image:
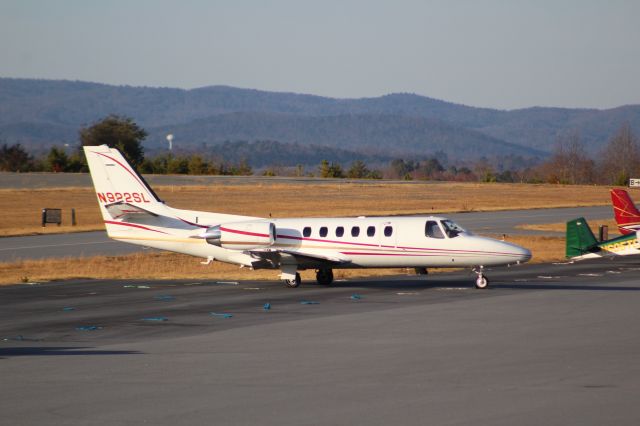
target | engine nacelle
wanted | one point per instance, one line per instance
(241, 235)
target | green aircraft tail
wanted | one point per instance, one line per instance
(580, 238)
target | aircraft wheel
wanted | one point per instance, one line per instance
(421, 271)
(294, 282)
(482, 282)
(324, 276)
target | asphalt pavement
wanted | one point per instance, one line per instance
(547, 344)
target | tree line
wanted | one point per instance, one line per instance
(570, 162)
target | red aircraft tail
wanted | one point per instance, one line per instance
(626, 213)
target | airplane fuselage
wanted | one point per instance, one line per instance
(362, 242)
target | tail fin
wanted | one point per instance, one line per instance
(116, 182)
(580, 238)
(626, 213)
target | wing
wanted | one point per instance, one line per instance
(273, 258)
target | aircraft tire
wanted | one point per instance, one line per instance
(324, 276)
(421, 271)
(482, 282)
(294, 282)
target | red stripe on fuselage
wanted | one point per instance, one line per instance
(290, 237)
(357, 253)
(235, 231)
(133, 225)
(387, 246)
(418, 254)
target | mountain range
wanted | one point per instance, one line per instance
(42, 113)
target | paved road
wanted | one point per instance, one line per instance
(548, 344)
(505, 222)
(78, 244)
(97, 243)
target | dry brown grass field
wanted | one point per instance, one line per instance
(20, 210)
(561, 226)
(174, 266)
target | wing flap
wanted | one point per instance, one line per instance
(337, 259)
(276, 256)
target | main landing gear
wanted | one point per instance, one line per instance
(324, 276)
(482, 282)
(421, 271)
(291, 277)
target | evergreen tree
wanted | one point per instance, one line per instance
(15, 158)
(358, 170)
(57, 160)
(197, 166)
(117, 132)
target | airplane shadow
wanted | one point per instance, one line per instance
(466, 283)
(58, 351)
(401, 284)
(525, 286)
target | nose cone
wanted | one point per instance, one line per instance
(492, 252)
(504, 253)
(519, 254)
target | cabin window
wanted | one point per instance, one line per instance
(324, 231)
(306, 232)
(432, 229)
(371, 231)
(339, 231)
(388, 231)
(355, 231)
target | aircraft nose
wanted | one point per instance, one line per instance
(524, 255)
(520, 254)
(517, 253)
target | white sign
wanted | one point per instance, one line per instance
(634, 183)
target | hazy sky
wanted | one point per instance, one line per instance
(501, 54)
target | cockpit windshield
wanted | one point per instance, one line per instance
(452, 229)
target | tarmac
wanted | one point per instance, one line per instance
(546, 344)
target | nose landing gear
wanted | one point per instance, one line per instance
(482, 282)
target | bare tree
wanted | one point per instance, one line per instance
(621, 157)
(569, 163)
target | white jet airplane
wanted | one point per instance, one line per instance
(133, 213)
